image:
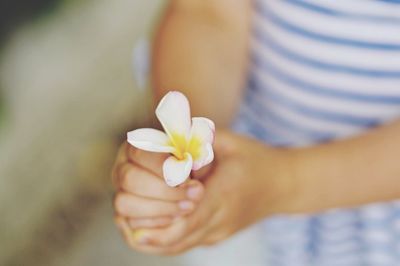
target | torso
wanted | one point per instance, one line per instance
(323, 70)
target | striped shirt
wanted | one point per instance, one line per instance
(324, 70)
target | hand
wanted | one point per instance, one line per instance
(248, 182)
(143, 200)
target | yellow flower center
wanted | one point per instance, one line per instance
(193, 146)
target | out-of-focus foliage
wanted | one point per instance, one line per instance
(68, 95)
(2, 108)
(15, 12)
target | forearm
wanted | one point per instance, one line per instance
(350, 172)
(201, 49)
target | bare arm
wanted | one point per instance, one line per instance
(201, 49)
(350, 172)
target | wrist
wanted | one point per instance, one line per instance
(281, 181)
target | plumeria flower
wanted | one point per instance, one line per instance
(188, 140)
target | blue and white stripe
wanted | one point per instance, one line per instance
(324, 70)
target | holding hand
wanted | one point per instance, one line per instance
(247, 182)
(143, 200)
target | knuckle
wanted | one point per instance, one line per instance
(115, 173)
(120, 204)
(125, 178)
(119, 173)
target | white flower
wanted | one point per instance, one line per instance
(188, 140)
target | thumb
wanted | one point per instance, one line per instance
(224, 142)
(203, 172)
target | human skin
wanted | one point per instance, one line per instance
(201, 48)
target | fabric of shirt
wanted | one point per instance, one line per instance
(321, 71)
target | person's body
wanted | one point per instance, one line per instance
(319, 97)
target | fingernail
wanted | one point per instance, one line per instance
(186, 205)
(193, 192)
(139, 236)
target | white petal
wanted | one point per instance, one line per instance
(203, 129)
(206, 157)
(177, 171)
(150, 139)
(173, 111)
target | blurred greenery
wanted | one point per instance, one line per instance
(2, 109)
(13, 13)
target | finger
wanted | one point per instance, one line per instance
(195, 190)
(136, 239)
(200, 236)
(193, 240)
(140, 182)
(180, 229)
(203, 236)
(145, 242)
(134, 206)
(125, 230)
(151, 161)
(118, 173)
(224, 140)
(203, 172)
(156, 222)
(121, 158)
(140, 240)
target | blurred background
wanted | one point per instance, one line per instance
(73, 81)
